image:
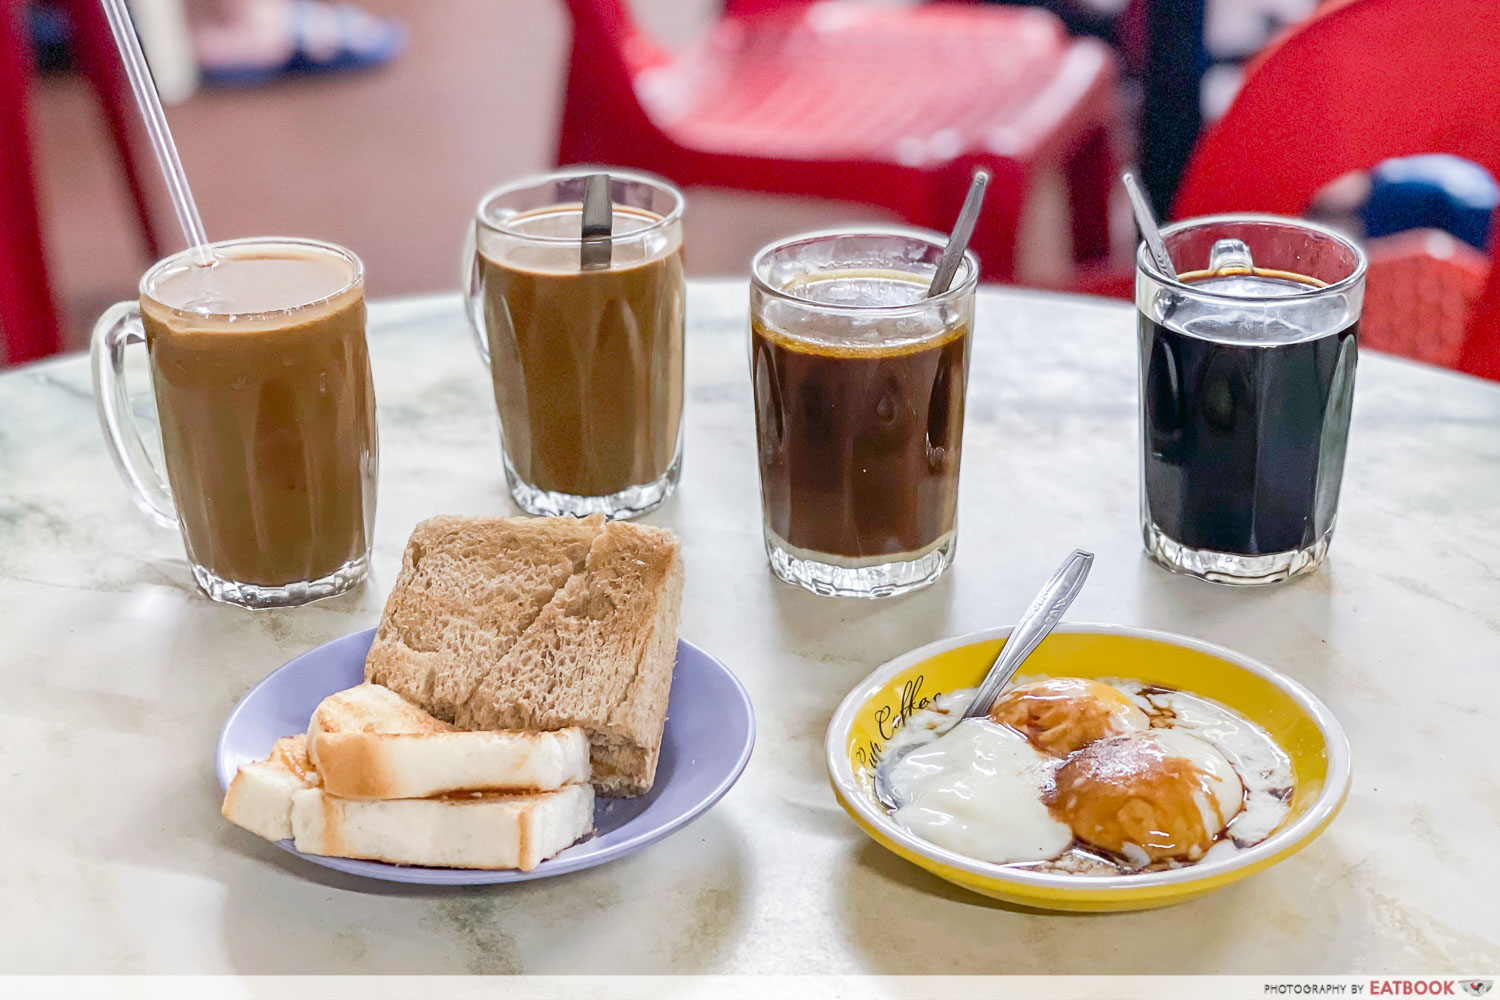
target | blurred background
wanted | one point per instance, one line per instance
(379, 125)
(389, 161)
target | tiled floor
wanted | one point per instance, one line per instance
(390, 163)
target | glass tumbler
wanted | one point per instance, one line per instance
(859, 383)
(1247, 362)
(583, 340)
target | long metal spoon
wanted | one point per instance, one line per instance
(958, 240)
(598, 224)
(1043, 615)
(1145, 221)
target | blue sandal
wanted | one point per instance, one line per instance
(351, 54)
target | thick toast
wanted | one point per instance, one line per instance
(260, 796)
(483, 830)
(370, 743)
(467, 590)
(476, 634)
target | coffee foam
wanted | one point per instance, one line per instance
(908, 326)
(637, 240)
(1251, 321)
(252, 279)
(860, 289)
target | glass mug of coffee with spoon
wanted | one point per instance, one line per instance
(261, 376)
(1247, 356)
(859, 377)
(575, 292)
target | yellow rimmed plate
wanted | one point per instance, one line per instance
(1302, 724)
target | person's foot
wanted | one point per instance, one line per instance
(266, 39)
(51, 37)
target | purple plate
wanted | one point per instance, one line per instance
(707, 741)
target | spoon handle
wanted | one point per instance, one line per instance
(963, 231)
(1145, 221)
(1039, 619)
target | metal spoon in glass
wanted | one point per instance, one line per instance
(1145, 221)
(963, 231)
(1045, 612)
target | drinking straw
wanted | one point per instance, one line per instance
(963, 231)
(156, 127)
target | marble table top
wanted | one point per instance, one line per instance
(116, 675)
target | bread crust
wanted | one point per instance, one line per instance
(484, 831)
(368, 742)
(260, 796)
(419, 765)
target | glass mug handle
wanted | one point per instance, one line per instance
(118, 328)
(473, 294)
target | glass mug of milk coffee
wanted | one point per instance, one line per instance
(583, 339)
(261, 376)
(859, 381)
(1247, 360)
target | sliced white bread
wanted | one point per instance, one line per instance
(260, 796)
(467, 590)
(370, 743)
(368, 709)
(480, 830)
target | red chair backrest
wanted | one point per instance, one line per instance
(606, 29)
(1481, 349)
(608, 51)
(1357, 83)
(749, 8)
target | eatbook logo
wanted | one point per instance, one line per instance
(1477, 987)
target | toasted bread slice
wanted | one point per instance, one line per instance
(260, 796)
(370, 743)
(540, 624)
(368, 710)
(467, 590)
(600, 656)
(480, 830)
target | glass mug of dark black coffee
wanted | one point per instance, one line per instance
(1247, 376)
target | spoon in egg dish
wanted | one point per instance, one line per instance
(1041, 618)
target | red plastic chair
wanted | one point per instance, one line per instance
(1480, 352)
(28, 320)
(889, 106)
(1359, 82)
(28, 315)
(1419, 294)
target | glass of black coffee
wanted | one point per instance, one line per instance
(859, 381)
(1247, 376)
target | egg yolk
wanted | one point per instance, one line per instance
(1061, 714)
